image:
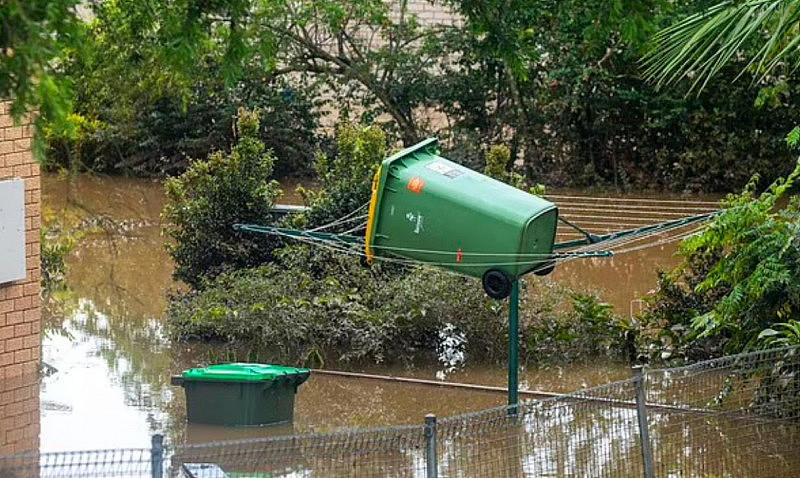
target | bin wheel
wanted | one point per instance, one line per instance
(496, 284)
(545, 269)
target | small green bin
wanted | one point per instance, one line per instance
(432, 210)
(241, 394)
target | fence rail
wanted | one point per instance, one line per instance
(735, 416)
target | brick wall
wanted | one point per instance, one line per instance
(427, 14)
(433, 14)
(20, 304)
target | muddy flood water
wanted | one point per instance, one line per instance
(109, 385)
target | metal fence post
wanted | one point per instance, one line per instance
(641, 413)
(513, 348)
(157, 456)
(431, 462)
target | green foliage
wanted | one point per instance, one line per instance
(758, 36)
(558, 82)
(144, 43)
(741, 275)
(326, 307)
(759, 263)
(618, 131)
(348, 313)
(170, 37)
(591, 311)
(784, 334)
(150, 118)
(77, 142)
(793, 138)
(579, 114)
(566, 325)
(32, 36)
(376, 56)
(497, 166)
(701, 45)
(512, 32)
(345, 176)
(212, 195)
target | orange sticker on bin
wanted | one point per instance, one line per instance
(415, 185)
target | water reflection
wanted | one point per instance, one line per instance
(107, 390)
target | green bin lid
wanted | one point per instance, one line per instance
(243, 372)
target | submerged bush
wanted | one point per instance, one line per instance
(562, 324)
(345, 312)
(348, 313)
(206, 201)
(739, 276)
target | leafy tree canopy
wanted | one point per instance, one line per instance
(33, 34)
(38, 37)
(707, 41)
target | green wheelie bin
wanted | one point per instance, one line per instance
(425, 208)
(241, 394)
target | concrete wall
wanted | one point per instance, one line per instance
(20, 303)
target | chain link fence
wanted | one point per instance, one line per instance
(589, 433)
(737, 416)
(132, 463)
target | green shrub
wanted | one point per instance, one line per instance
(562, 324)
(498, 166)
(345, 176)
(206, 201)
(350, 313)
(341, 311)
(739, 276)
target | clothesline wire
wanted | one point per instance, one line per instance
(344, 219)
(558, 257)
(625, 200)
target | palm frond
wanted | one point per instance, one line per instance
(699, 46)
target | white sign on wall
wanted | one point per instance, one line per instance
(12, 230)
